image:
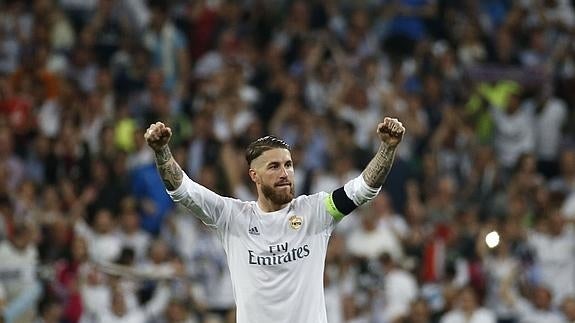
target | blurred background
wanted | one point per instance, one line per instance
(486, 90)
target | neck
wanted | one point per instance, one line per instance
(268, 206)
(468, 312)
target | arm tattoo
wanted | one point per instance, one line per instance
(163, 155)
(378, 168)
(170, 172)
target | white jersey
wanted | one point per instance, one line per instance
(276, 259)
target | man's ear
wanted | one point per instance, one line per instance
(253, 175)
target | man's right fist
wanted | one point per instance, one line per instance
(157, 135)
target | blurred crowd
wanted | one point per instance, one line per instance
(484, 88)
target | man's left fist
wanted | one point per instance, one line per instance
(390, 131)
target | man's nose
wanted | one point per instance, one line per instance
(283, 172)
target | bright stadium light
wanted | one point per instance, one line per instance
(492, 239)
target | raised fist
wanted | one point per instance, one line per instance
(390, 131)
(157, 135)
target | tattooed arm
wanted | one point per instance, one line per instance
(157, 136)
(170, 172)
(200, 201)
(390, 132)
(365, 187)
(378, 168)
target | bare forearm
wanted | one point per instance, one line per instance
(378, 168)
(170, 172)
(134, 273)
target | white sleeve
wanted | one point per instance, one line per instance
(156, 306)
(203, 203)
(358, 190)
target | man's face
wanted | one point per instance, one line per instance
(542, 298)
(468, 300)
(419, 312)
(514, 104)
(157, 19)
(569, 308)
(273, 172)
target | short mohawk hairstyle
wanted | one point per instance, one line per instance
(259, 146)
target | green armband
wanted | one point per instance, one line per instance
(331, 209)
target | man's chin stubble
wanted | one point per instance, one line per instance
(274, 195)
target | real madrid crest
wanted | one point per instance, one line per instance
(295, 222)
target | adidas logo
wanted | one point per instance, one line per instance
(254, 230)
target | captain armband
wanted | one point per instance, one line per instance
(344, 200)
(338, 204)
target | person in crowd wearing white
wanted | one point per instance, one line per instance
(369, 241)
(276, 246)
(553, 247)
(468, 310)
(419, 312)
(177, 312)
(538, 308)
(551, 117)
(130, 233)
(103, 243)
(514, 130)
(18, 281)
(118, 310)
(400, 290)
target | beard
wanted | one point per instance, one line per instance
(278, 196)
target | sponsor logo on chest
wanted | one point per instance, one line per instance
(279, 254)
(282, 253)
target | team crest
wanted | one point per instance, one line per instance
(295, 222)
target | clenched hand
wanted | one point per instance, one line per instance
(158, 135)
(390, 131)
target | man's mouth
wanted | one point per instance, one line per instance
(283, 184)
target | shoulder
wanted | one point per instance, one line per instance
(558, 104)
(484, 314)
(309, 204)
(310, 199)
(451, 316)
(238, 204)
(236, 209)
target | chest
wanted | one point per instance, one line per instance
(274, 239)
(558, 249)
(273, 232)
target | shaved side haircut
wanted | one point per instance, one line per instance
(259, 146)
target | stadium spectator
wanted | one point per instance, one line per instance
(20, 283)
(552, 244)
(468, 309)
